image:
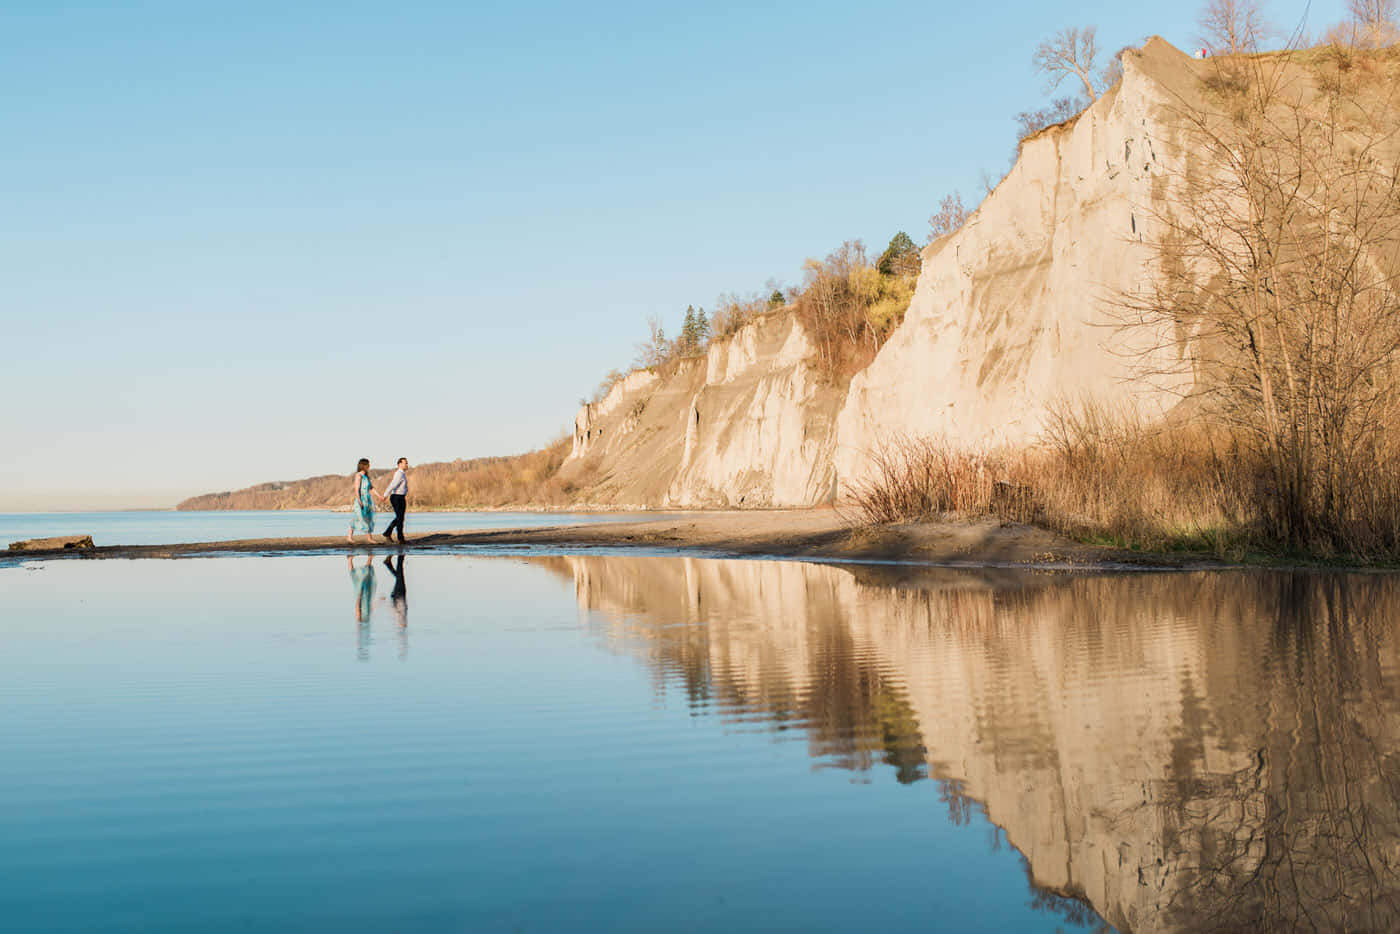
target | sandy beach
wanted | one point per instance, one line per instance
(813, 534)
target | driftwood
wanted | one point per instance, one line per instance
(61, 543)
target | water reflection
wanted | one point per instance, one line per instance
(398, 602)
(1212, 751)
(362, 580)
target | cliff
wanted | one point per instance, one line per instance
(1017, 310)
(1021, 310)
(750, 423)
(1012, 313)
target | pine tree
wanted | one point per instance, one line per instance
(688, 338)
(901, 257)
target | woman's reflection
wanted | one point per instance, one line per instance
(362, 577)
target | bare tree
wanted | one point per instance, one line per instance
(1374, 22)
(656, 349)
(1029, 122)
(951, 215)
(1278, 255)
(1113, 69)
(1069, 52)
(1232, 26)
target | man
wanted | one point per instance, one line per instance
(398, 498)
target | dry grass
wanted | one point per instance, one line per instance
(919, 478)
(1109, 478)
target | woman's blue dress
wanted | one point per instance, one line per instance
(362, 516)
(363, 579)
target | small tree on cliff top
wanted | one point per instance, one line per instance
(1374, 23)
(695, 332)
(951, 215)
(1232, 26)
(901, 257)
(655, 349)
(1069, 52)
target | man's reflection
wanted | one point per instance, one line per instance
(398, 601)
(362, 578)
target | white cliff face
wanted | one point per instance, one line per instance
(1017, 310)
(748, 424)
(759, 431)
(585, 422)
(1014, 313)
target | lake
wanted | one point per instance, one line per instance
(167, 527)
(557, 742)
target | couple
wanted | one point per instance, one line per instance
(362, 511)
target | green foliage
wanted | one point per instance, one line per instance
(695, 333)
(777, 299)
(702, 330)
(850, 307)
(889, 308)
(901, 257)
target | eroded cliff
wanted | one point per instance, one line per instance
(1013, 313)
(750, 423)
(1021, 308)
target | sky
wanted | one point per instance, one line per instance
(258, 241)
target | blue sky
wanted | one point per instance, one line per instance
(261, 240)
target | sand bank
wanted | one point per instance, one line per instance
(814, 534)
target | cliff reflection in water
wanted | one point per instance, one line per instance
(1203, 751)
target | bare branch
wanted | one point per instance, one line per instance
(1070, 51)
(1233, 26)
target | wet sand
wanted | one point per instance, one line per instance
(815, 534)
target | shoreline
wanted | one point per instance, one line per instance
(801, 534)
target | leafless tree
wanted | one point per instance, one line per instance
(1278, 254)
(656, 349)
(1113, 70)
(1029, 122)
(1233, 26)
(951, 215)
(1069, 52)
(1374, 22)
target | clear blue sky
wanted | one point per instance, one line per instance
(260, 240)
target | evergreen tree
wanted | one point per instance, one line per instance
(777, 299)
(901, 257)
(688, 335)
(702, 331)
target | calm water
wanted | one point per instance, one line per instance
(167, 527)
(663, 743)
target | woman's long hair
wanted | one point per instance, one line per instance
(362, 465)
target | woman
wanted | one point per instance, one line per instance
(362, 510)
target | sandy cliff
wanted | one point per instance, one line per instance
(1012, 312)
(748, 424)
(1016, 310)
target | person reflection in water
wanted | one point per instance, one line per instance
(362, 577)
(398, 601)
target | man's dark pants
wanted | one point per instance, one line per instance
(400, 504)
